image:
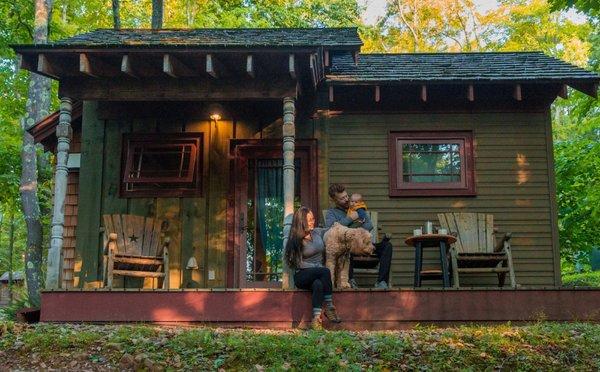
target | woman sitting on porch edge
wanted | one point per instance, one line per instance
(304, 254)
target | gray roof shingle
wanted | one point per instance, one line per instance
(219, 37)
(440, 67)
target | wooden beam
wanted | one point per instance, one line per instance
(167, 89)
(563, 92)
(126, 66)
(377, 93)
(471, 93)
(331, 93)
(424, 93)
(250, 69)
(292, 66)
(326, 57)
(356, 58)
(174, 67)
(517, 95)
(211, 67)
(312, 63)
(591, 89)
(44, 67)
(85, 66)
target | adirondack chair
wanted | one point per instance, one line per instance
(476, 249)
(367, 264)
(133, 248)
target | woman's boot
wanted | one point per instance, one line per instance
(331, 314)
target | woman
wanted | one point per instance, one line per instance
(304, 254)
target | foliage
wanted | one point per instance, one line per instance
(540, 346)
(9, 312)
(589, 279)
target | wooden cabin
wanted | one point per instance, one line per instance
(218, 134)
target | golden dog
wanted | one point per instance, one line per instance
(340, 242)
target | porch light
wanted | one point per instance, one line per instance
(215, 111)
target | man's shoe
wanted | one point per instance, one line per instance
(331, 314)
(316, 324)
(353, 284)
(382, 285)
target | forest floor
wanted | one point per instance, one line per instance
(538, 346)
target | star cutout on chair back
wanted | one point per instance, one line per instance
(133, 238)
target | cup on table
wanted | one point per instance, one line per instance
(442, 231)
(418, 232)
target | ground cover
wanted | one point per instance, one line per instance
(539, 346)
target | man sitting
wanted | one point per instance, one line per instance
(339, 213)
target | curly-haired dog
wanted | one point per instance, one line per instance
(340, 242)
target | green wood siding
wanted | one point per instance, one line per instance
(512, 180)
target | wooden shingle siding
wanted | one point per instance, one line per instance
(512, 183)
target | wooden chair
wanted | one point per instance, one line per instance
(133, 248)
(476, 249)
(367, 264)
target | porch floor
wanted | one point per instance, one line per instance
(359, 309)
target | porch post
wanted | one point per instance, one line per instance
(63, 134)
(289, 133)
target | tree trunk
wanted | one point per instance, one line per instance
(38, 106)
(157, 14)
(116, 14)
(11, 245)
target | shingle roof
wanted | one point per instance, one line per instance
(239, 37)
(440, 67)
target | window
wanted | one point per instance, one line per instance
(431, 163)
(162, 165)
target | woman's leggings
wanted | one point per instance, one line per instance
(317, 279)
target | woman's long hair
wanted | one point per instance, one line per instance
(299, 229)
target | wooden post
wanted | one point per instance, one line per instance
(63, 134)
(289, 134)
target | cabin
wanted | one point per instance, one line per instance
(212, 137)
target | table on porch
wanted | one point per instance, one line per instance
(440, 241)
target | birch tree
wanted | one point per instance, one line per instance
(37, 107)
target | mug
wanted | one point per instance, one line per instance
(442, 231)
(418, 232)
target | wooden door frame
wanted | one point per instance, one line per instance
(236, 148)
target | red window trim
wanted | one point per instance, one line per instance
(194, 174)
(400, 188)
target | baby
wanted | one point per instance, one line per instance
(357, 204)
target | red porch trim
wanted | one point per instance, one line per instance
(359, 309)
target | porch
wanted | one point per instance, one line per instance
(361, 309)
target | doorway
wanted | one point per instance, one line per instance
(257, 226)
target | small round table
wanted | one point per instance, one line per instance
(431, 241)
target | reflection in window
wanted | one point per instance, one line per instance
(165, 165)
(264, 238)
(431, 162)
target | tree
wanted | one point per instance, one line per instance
(157, 14)
(37, 107)
(116, 14)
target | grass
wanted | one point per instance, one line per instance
(539, 346)
(588, 279)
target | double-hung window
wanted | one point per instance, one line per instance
(431, 163)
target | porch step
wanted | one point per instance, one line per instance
(139, 274)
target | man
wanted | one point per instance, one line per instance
(339, 196)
